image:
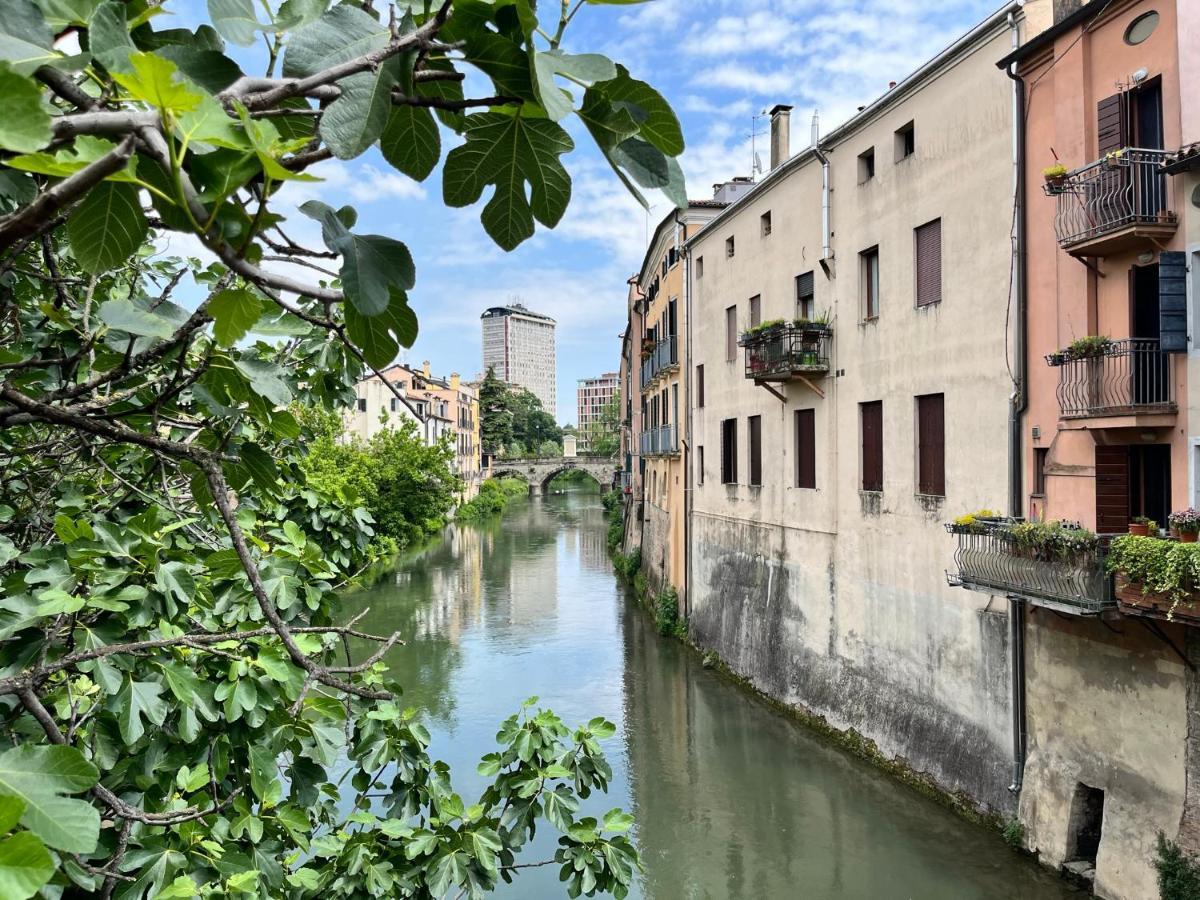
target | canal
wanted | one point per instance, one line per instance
(732, 799)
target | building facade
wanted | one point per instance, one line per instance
(518, 345)
(663, 394)
(592, 396)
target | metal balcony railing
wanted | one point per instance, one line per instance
(664, 355)
(1126, 188)
(988, 558)
(1131, 376)
(660, 441)
(788, 351)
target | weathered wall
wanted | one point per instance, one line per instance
(1106, 708)
(656, 536)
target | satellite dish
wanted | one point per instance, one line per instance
(758, 167)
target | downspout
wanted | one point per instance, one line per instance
(826, 243)
(1019, 401)
(687, 439)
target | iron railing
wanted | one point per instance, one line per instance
(664, 355)
(988, 558)
(1130, 376)
(783, 352)
(660, 441)
(1125, 188)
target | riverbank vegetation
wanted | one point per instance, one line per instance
(407, 486)
(494, 496)
(1178, 873)
(513, 423)
(184, 716)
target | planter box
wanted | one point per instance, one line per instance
(1133, 601)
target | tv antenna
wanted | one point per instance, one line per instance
(756, 166)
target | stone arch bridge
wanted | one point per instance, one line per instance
(540, 472)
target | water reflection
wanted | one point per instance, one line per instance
(732, 800)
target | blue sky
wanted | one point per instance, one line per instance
(718, 62)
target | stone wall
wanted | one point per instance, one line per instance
(656, 532)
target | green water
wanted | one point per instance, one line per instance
(732, 799)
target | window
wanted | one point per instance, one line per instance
(805, 305)
(755, 310)
(806, 448)
(928, 241)
(754, 428)
(764, 222)
(931, 445)
(866, 166)
(871, 425)
(1041, 455)
(730, 333)
(394, 404)
(729, 451)
(700, 464)
(700, 386)
(869, 282)
(906, 141)
(699, 267)
(729, 246)
(1141, 28)
(362, 404)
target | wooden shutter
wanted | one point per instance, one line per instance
(1112, 489)
(929, 263)
(804, 294)
(1111, 131)
(755, 310)
(872, 445)
(754, 428)
(806, 449)
(700, 386)
(931, 445)
(731, 333)
(729, 451)
(1172, 301)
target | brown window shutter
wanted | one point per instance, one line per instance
(931, 445)
(872, 445)
(806, 449)
(929, 263)
(1111, 131)
(1112, 489)
(754, 433)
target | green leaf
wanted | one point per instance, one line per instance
(504, 61)
(411, 141)
(179, 889)
(174, 580)
(24, 866)
(381, 337)
(39, 776)
(136, 318)
(234, 20)
(586, 67)
(294, 13)
(25, 125)
(107, 227)
(266, 379)
(153, 79)
(210, 69)
(139, 700)
(25, 38)
(10, 813)
(616, 820)
(651, 168)
(507, 151)
(83, 151)
(108, 37)
(340, 35)
(261, 467)
(264, 775)
(356, 119)
(234, 313)
(657, 122)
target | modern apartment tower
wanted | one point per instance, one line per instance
(519, 345)
(592, 396)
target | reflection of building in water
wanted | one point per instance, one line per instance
(453, 585)
(533, 585)
(593, 549)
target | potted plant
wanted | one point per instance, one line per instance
(1056, 177)
(1092, 346)
(1057, 358)
(1185, 524)
(1142, 526)
(1113, 158)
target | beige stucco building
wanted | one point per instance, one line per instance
(828, 453)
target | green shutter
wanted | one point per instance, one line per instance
(1172, 301)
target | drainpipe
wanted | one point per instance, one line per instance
(687, 439)
(826, 247)
(1019, 401)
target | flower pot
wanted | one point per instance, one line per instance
(1139, 528)
(1187, 537)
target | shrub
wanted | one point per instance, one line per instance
(1178, 872)
(1053, 540)
(494, 495)
(627, 565)
(1161, 567)
(667, 620)
(612, 502)
(1014, 833)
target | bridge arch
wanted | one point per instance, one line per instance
(539, 472)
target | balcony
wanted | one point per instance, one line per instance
(1115, 204)
(787, 352)
(992, 557)
(663, 357)
(660, 441)
(1131, 378)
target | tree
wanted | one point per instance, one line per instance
(180, 715)
(604, 435)
(495, 417)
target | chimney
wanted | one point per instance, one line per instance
(454, 381)
(425, 368)
(891, 84)
(781, 132)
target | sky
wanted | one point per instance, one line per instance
(719, 63)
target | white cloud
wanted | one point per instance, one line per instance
(374, 184)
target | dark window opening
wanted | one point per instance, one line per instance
(362, 404)
(764, 222)
(1041, 456)
(699, 266)
(931, 445)
(806, 449)
(754, 428)
(869, 281)
(729, 451)
(805, 296)
(866, 165)
(755, 310)
(700, 464)
(871, 424)
(700, 386)
(1086, 823)
(906, 141)
(729, 248)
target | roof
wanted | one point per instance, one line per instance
(515, 309)
(889, 99)
(670, 219)
(1050, 35)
